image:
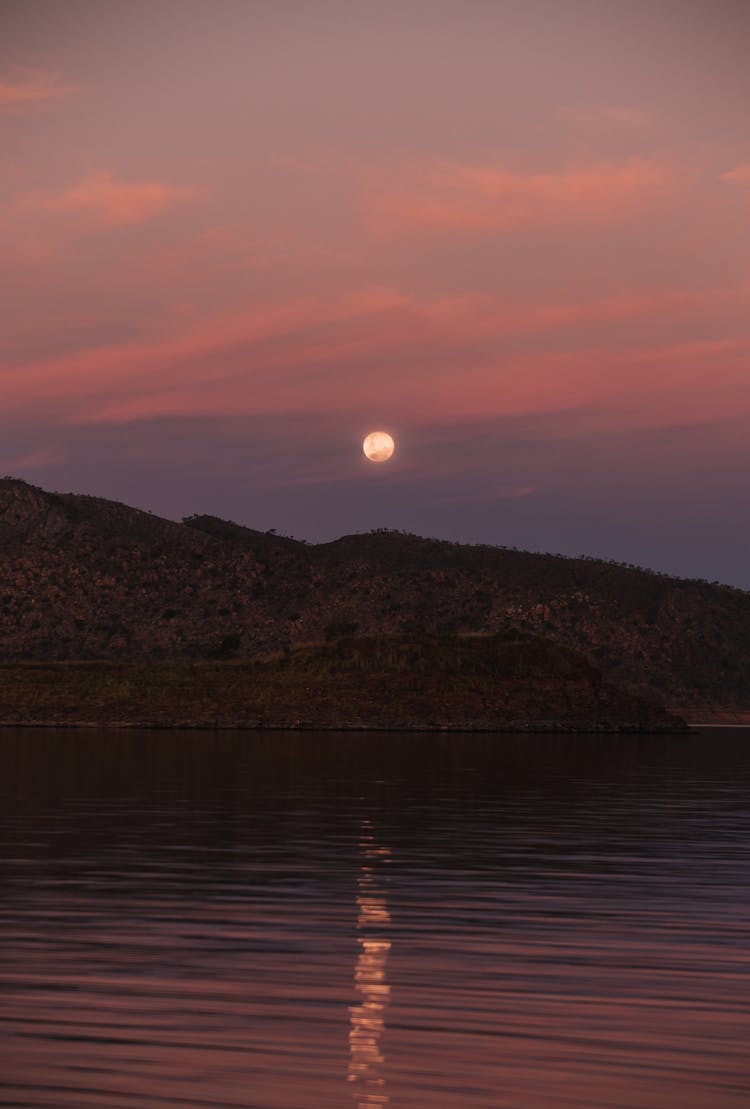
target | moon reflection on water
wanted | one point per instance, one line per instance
(367, 1016)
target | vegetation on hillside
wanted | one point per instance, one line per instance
(85, 578)
(508, 682)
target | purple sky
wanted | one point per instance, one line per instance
(237, 236)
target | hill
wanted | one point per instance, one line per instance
(505, 682)
(85, 578)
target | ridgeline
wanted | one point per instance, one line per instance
(86, 579)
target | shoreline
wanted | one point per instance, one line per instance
(512, 683)
(537, 728)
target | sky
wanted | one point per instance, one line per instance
(237, 236)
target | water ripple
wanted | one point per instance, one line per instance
(419, 922)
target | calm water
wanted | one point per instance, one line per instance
(306, 921)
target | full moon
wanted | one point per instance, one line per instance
(378, 446)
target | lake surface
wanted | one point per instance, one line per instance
(315, 921)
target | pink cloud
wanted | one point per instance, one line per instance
(696, 380)
(31, 87)
(380, 351)
(37, 460)
(620, 116)
(489, 315)
(112, 202)
(449, 197)
(140, 378)
(738, 176)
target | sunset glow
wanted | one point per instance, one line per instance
(529, 242)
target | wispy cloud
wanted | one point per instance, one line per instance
(450, 197)
(32, 86)
(35, 460)
(215, 364)
(608, 115)
(377, 351)
(740, 175)
(111, 202)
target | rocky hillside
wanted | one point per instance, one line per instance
(85, 578)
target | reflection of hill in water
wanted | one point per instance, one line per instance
(83, 577)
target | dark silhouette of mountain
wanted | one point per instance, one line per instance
(87, 578)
